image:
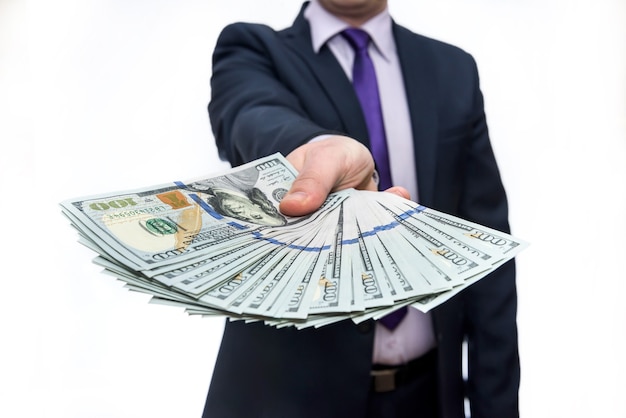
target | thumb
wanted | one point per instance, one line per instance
(308, 192)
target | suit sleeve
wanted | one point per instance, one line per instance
(252, 111)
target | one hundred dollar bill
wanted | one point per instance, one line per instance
(220, 246)
(172, 223)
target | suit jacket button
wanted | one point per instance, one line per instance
(366, 326)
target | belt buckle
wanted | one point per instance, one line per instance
(384, 380)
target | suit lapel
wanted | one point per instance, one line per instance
(330, 76)
(420, 84)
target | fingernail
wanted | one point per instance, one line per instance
(297, 196)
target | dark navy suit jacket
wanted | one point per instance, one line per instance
(271, 92)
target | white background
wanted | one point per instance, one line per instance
(99, 96)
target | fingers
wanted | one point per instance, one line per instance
(325, 166)
(329, 165)
(400, 191)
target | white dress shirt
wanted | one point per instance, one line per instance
(414, 336)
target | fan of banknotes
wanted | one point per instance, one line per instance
(219, 246)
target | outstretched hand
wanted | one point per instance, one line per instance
(326, 166)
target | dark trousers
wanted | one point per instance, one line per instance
(415, 396)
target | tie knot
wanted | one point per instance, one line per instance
(358, 38)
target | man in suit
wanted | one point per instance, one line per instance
(291, 91)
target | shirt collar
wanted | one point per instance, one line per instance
(325, 26)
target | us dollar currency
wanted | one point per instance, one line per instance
(476, 241)
(498, 243)
(219, 246)
(456, 264)
(397, 254)
(172, 223)
(241, 251)
(371, 286)
(296, 301)
(316, 294)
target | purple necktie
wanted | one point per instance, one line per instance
(366, 87)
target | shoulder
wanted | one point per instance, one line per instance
(242, 31)
(248, 42)
(430, 48)
(255, 38)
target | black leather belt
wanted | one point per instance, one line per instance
(388, 378)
